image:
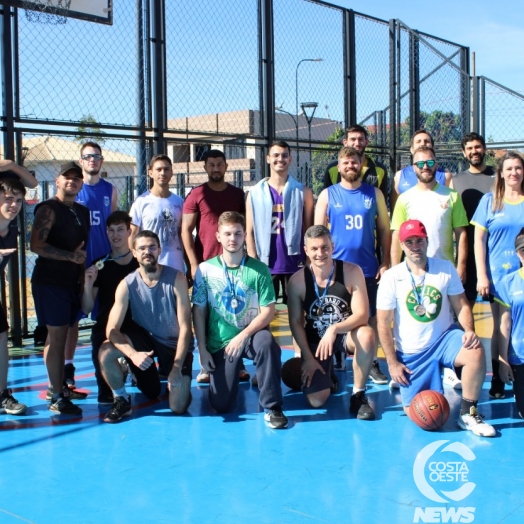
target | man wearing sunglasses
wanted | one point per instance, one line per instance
(100, 197)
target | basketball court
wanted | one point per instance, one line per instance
(204, 467)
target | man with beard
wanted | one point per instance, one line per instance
(161, 326)
(160, 211)
(233, 304)
(443, 214)
(372, 173)
(202, 207)
(358, 219)
(59, 235)
(471, 185)
(418, 297)
(332, 297)
(100, 197)
(285, 205)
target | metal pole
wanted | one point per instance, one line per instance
(414, 87)
(392, 97)
(141, 159)
(159, 75)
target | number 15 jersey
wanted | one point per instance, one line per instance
(352, 215)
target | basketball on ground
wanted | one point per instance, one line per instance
(291, 373)
(429, 410)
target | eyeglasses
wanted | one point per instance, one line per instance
(151, 248)
(92, 156)
(421, 163)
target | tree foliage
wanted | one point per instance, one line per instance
(88, 124)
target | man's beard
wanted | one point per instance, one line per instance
(477, 163)
(151, 267)
(426, 177)
(350, 176)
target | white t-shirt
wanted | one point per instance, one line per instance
(413, 332)
(164, 217)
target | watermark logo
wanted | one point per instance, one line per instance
(441, 473)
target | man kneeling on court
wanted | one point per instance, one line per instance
(160, 326)
(332, 295)
(416, 295)
(234, 302)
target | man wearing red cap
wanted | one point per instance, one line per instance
(417, 295)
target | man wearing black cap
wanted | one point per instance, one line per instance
(59, 236)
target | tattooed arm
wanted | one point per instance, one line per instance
(44, 220)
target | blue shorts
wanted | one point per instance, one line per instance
(55, 305)
(425, 366)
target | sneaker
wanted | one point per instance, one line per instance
(275, 419)
(497, 388)
(339, 361)
(451, 379)
(473, 421)
(69, 375)
(71, 394)
(393, 384)
(121, 408)
(64, 406)
(9, 404)
(359, 406)
(376, 375)
(105, 400)
(203, 377)
(243, 376)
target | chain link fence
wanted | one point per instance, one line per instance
(231, 75)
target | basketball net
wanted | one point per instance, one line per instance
(44, 11)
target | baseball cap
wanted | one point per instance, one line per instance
(72, 167)
(412, 228)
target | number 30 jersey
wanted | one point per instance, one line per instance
(97, 199)
(352, 215)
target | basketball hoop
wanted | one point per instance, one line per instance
(46, 11)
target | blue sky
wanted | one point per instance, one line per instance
(494, 30)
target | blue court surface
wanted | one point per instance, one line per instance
(202, 467)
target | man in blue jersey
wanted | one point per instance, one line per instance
(406, 178)
(100, 197)
(358, 219)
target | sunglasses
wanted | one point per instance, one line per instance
(92, 156)
(421, 163)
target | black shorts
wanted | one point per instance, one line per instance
(320, 381)
(470, 286)
(148, 380)
(372, 288)
(4, 326)
(55, 305)
(281, 279)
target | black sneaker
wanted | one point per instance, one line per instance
(275, 419)
(64, 406)
(497, 388)
(359, 406)
(121, 408)
(9, 404)
(106, 400)
(376, 375)
(71, 394)
(69, 375)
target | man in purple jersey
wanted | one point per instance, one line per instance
(287, 205)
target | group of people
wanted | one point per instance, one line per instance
(338, 265)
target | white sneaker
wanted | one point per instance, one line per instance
(451, 379)
(473, 421)
(394, 385)
(203, 377)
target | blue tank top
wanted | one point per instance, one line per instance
(352, 217)
(154, 308)
(97, 199)
(408, 178)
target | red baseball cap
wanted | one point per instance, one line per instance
(412, 228)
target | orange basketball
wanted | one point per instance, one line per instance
(429, 410)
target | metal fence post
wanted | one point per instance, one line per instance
(465, 91)
(414, 84)
(392, 97)
(159, 76)
(350, 82)
(475, 102)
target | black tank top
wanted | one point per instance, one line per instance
(335, 308)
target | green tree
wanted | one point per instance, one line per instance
(322, 156)
(88, 124)
(443, 126)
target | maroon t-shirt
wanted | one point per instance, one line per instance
(209, 205)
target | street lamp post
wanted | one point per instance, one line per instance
(296, 98)
(313, 106)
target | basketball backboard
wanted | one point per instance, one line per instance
(100, 11)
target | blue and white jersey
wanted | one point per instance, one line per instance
(97, 199)
(502, 227)
(511, 291)
(408, 178)
(352, 215)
